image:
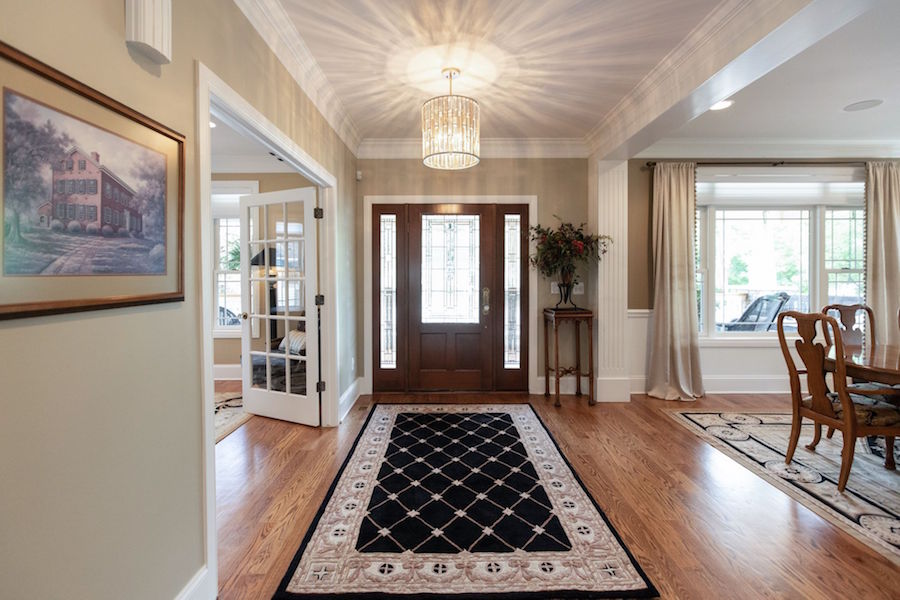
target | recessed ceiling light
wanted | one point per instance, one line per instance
(212, 125)
(721, 105)
(863, 105)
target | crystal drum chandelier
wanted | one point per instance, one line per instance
(451, 130)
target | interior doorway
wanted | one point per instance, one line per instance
(217, 100)
(450, 297)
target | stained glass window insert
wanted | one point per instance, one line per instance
(512, 288)
(450, 268)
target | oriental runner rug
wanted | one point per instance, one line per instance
(460, 501)
(869, 507)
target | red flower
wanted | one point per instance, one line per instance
(579, 246)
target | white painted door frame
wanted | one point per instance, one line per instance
(214, 96)
(368, 201)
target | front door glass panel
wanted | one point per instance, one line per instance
(450, 268)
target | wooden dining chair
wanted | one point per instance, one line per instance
(849, 331)
(853, 415)
(852, 335)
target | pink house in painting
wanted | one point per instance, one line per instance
(85, 192)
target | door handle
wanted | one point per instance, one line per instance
(485, 300)
(244, 316)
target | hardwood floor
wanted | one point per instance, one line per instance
(699, 524)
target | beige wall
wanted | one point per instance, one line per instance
(227, 351)
(100, 435)
(640, 202)
(561, 186)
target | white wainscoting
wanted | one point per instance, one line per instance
(729, 366)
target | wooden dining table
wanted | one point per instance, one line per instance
(880, 364)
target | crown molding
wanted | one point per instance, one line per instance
(277, 30)
(738, 42)
(254, 163)
(407, 148)
(691, 54)
(778, 148)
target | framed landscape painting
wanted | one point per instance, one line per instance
(92, 197)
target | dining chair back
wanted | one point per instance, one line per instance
(849, 327)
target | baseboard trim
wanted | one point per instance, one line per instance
(227, 372)
(566, 385)
(200, 587)
(349, 398)
(613, 389)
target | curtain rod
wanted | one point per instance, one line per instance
(777, 163)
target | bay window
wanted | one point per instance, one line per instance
(771, 239)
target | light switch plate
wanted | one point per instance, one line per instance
(578, 290)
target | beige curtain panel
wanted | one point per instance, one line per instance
(883, 248)
(674, 363)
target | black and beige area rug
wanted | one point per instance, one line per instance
(869, 508)
(229, 413)
(460, 501)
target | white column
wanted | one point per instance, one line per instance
(608, 189)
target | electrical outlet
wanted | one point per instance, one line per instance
(578, 290)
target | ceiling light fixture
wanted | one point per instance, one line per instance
(722, 105)
(863, 105)
(451, 130)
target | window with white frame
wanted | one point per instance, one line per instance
(225, 202)
(771, 239)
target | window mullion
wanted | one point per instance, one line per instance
(709, 245)
(819, 283)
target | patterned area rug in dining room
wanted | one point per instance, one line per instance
(460, 501)
(869, 508)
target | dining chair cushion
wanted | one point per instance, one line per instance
(869, 410)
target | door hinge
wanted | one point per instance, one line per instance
(320, 386)
(320, 299)
(319, 213)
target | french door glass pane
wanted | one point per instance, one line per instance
(388, 293)
(512, 286)
(450, 268)
(762, 267)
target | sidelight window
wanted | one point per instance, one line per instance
(512, 291)
(388, 295)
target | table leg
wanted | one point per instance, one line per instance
(591, 399)
(546, 359)
(577, 357)
(556, 360)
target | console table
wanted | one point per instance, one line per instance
(552, 318)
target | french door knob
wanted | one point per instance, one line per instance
(244, 316)
(486, 300)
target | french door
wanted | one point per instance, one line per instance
(279, 333)
(450, 297)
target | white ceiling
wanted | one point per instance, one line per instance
(233, 152)
(539, 69)
(800, 104)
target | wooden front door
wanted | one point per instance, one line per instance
(449, 284)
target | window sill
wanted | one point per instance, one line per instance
(227, 333)
(741, 342)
